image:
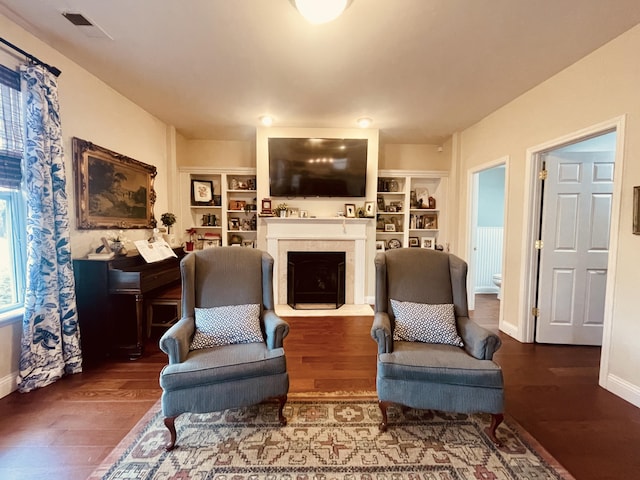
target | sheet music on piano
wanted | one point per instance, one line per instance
(154, 251)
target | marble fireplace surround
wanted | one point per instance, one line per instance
(335, 234)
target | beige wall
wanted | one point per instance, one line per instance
(413, 157)
(92, 111)
(217, 154)
(600, 87)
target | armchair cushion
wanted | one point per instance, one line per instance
(427, 323)
(223, 364)
(226, 325)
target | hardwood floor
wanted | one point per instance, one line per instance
(65, 430)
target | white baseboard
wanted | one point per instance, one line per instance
(623, 389)
(8, 384)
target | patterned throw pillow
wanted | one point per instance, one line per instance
(227, 325)
(421, 322)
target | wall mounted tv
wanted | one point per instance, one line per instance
(317, 167)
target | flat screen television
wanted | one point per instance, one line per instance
(317, 167)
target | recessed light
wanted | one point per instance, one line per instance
(266, 120)
(364, 122)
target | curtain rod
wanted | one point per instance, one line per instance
(55, 71)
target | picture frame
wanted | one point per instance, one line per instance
(430, 221)
(636, 210)
(112, 190)
(211, 243)
(414, 242)
(389, 227)
(201, 192)
(380, 247)
(237, 204)
(350, 210)
(369, 209)
(428, 242)
(234, 223)
(381, 203)
(266, 206)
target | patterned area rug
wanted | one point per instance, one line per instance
(327, 439)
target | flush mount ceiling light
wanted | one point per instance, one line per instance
(321, 11)
(364, 122)
(266, 120)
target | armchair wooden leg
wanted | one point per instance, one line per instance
(383, 409)
(496, 419)
(170, 423)
(281, 418)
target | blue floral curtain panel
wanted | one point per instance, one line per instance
(50, 334)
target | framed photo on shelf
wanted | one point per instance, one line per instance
(102, 175)
(428, 242)
(414, 242)
(430, 221)
(201, 192)
(234, 223)
(379, 245)
(369, 209)
(210, 243)
(389, 227)
(350, 210)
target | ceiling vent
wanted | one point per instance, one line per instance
(89, 28)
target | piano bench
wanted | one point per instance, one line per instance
(171, 296)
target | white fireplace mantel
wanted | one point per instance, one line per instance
(319, 234)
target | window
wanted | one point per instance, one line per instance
(12, 205)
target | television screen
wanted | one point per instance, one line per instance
(317, 167)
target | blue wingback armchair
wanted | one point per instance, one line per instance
(429, 375)
(229, 376)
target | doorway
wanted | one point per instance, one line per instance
(486, 230)
(576, 187)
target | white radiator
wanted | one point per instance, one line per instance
(488, 258)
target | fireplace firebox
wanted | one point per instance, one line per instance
(315, 280)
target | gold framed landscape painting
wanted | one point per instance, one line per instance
(112, 190)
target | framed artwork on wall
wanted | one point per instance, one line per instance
(112, 190)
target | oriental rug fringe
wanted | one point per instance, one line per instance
(328, 439)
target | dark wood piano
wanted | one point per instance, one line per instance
(110, 300)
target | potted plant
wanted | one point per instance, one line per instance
(191, 242)
(168, 219)
(281, 210)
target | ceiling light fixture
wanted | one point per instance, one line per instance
(364, 122)
(321, 11)
(266, 120)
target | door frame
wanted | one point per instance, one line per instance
(531, 212)
(472, 220)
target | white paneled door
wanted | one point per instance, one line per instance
(576, 214)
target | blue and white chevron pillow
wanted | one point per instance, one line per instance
(422, 322)
(226, 325)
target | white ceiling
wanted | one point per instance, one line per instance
(421, 69)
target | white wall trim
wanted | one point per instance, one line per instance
(623, 389)
(8, 384)
(526, 329)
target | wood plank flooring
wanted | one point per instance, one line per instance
(65, 430)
